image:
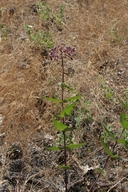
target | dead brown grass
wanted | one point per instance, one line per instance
(24, 79)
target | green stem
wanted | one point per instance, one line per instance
(64, 134)
(62, 83)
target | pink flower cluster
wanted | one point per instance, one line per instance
(62, 51)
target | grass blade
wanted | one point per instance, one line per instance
(107, 149)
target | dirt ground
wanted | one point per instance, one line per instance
(98, 30)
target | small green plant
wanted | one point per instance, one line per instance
(125, 105)
(109, 93)
(40, 38)
(62, 8)
(67, 106)
(60, 141)
(4, 31)
(44, 11)
(119, 139)
(105, 134)
(114, 33)
(46, 14)
(57, 18)
(28, 29)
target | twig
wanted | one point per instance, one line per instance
(116, 184)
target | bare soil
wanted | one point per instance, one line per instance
(98, 30)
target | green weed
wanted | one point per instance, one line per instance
(44, 11)
(40, 38)
(110, 140)
(110, 149)
(57, 18)
(109, 93)
(83, 117)
(46, 14)
(4, 32)
(114, 33)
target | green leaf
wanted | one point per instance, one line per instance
(74, 146)
(107, 149)
(66, 86)
(59, 125)
(100, 170)
(73, 98)
(54, 148)
(55, 100)
(68, 110)
(64, 167)
(123, 120)
(110, 134)
(121, 141)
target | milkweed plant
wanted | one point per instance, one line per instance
(61, 52)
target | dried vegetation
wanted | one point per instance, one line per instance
(98, 30)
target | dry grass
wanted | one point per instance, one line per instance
(98, 31)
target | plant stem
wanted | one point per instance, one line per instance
(65, 162)
(62, 97)
(64, 134)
